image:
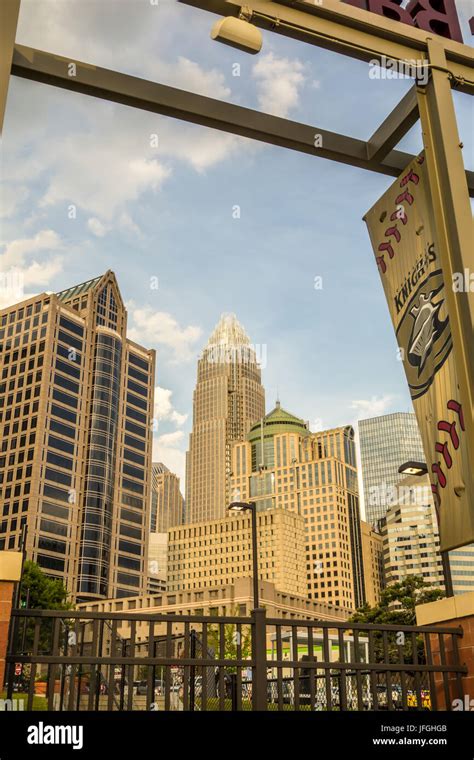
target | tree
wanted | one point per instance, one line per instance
(397, 607)
(39, 592)
(398, 601)
(231, 641)
(42, 592)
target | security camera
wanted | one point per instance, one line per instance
(237, 33)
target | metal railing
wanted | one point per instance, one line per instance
(138, 661)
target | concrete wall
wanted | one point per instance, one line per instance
(454, 611)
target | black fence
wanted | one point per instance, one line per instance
(113, 661)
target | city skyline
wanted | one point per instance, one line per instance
(172, 220)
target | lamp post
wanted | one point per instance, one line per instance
(418, 469)
(244, 506)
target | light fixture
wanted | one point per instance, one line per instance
(413, 468)
(239, 506)
(238, 33)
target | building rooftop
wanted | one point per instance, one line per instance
(228, 332)
(78, 290)
(278, 421)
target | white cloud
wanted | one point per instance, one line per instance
(96, 227)
(372, 407)
(164, 409)
(158, 328)
(279, 81)
(25, 263)
(168, 449)
(17, 251)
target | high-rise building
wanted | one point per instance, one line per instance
(410, 535)
(461, 562)
(157, 562)
(218, 552)
(167, 503)
(228, 398)
(76, 399)
(283, 465)
(372, 556)
(386, 442)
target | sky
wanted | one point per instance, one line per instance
(196, 222)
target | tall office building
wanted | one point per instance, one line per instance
(461, 562)
(219, 552)
(386, 442)
(228, 398)
(76, 400)
(410, 535)
(372, 555)
(167, 503)
(283, 465)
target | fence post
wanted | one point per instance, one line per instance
(259, 656)
(192, 673)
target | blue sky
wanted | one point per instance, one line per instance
(166, 212)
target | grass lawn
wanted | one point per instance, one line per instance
(39, 703)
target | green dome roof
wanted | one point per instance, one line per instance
(278, 421)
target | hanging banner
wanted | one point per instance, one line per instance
(402, 232)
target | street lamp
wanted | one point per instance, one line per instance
(413, 468)
(418, 469)
(244, 506)
(238, 33)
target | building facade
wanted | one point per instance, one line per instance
(386, 442)
(218, 552)
(227, 399)
(461, 562)
(167, 503)
(157, 562)
(410, 535)
(231, 599)
(283, 465)
(372, 556)
(76, 399)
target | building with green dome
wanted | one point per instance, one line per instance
(283, 465)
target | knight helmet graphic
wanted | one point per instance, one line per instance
(427, 328)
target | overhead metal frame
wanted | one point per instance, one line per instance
(344, 29)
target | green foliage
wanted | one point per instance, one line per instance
(397, 603)
(231, 641)
(44, 593)
(397, 607)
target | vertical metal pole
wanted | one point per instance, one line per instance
(192, 673)
(448, 581)
(453, 218)
(9, 11)
(255, 556)
(259, 656)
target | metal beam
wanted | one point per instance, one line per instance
(395, 126)
(9, 10)
(69, 74)
(342, 28)
(454, 228)
(48, 68)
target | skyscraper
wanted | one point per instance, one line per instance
(283, 465)
(167, 503)
(372, 555)
(228, 399)
(410, 535)
(386, 442)
(76, 398)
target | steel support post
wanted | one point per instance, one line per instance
(9, 11)
(259, 656)
(453, 218)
